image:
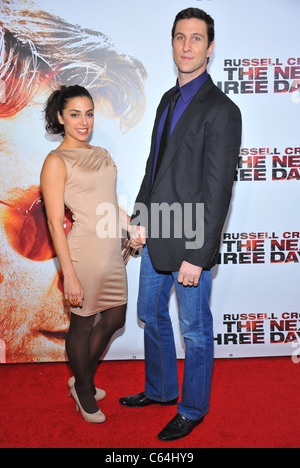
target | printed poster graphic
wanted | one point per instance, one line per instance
(255, 298)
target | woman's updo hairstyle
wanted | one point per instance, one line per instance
(57, 102)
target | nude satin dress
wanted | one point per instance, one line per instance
(95, 240)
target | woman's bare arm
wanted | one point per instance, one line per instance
(53, 180)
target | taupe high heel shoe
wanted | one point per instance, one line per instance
(96, 418)
(100, 394)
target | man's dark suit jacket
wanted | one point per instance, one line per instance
(198, 167)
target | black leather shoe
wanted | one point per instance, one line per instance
(178, 428)
(141, 400)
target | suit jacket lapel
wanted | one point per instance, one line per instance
(161, 108)
(180, 128)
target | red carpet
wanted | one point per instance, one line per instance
(255, 403)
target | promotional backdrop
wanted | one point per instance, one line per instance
(121, 50)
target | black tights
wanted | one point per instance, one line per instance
(85, 344)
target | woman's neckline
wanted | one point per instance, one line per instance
(79, 148)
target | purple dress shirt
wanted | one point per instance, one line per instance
(188, 91)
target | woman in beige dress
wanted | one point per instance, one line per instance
(83, 178)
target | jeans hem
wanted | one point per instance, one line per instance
(161, 401)
(192, 418)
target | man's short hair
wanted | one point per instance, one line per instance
(190, 13)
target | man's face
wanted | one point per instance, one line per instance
(190, 49)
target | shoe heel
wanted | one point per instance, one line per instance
(96, 418)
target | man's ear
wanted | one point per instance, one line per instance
(210, 49)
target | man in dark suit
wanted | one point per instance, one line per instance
(183, 202)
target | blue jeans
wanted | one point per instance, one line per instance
(196, 324)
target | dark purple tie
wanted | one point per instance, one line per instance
(166, 131)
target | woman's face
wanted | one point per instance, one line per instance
(78, 120)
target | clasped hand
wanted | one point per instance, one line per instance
(137, 236)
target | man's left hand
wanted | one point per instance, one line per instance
(189, 275)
